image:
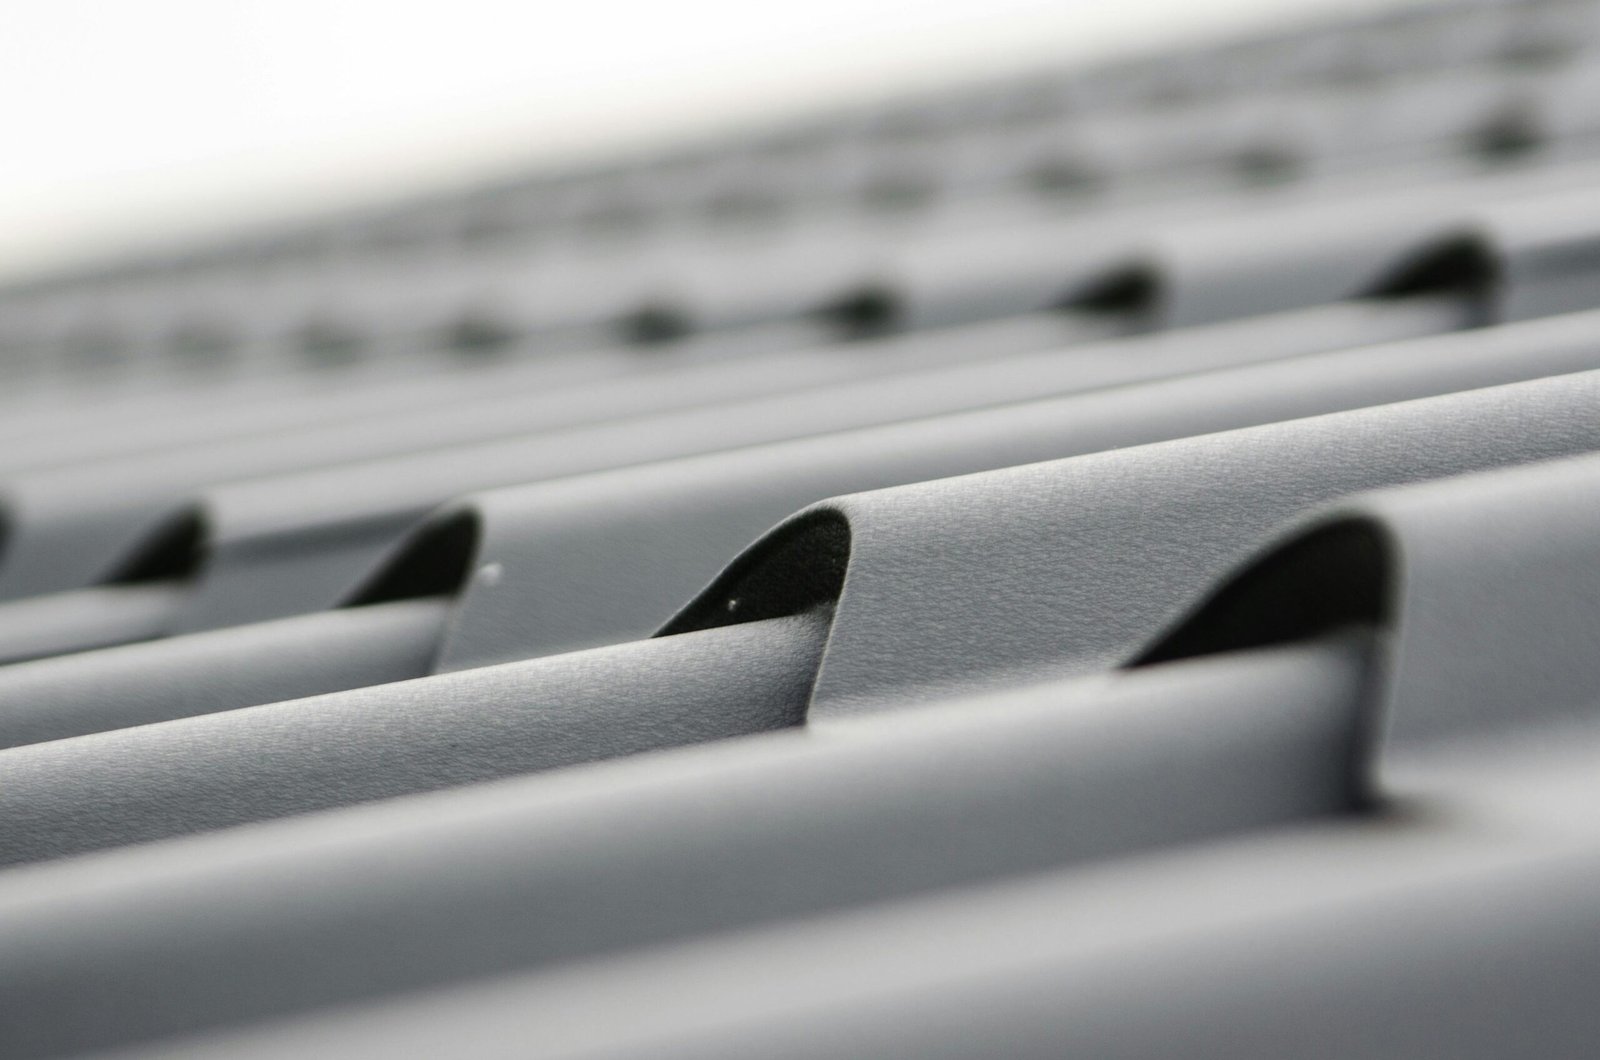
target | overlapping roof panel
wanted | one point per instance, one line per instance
(1106, 565)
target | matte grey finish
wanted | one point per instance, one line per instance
(1455, 927)
(73, 525)
(1545, 253)
(449, 854)
(1451, 919)
(575, 563)
(496, 878)
(669, 385)
(1375, 939)
(1208, 265)
(937, 277)
(950, 584)
(137, 684)
(1135, 739)
(1202, 266)
(237, 766)
(603, 558)
(69, 526)
(1044, 571)
(88, 618)
(295, 543)
(229, 594)
(508, 400)
(85, 429)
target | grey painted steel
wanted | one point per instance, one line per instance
(1453, 924)
(88, 618)
(576, 564)
(604, 558)
(1464, 793)
(1459, 801)
(1394, 937)
(309, 399)
(733, 497)
(672, 847)
(1193, 748)
(154, 781)
(295, 543)
(1208, 275)
(65, 524)
(952, 582)
(1044, 571)
(69, 526)
(137, 684)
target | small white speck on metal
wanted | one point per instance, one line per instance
(490, 574)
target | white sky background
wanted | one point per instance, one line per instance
(126, 120)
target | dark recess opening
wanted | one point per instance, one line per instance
(863, 314)
(174, 552)
(1132, 293)
(1266, 165)
(1509, 136)
(1332, 578)
(802, 567)
(1463, 265)
(331, 344)
(653, 325)
(477, 334)
(435, 562)
(1062, 178)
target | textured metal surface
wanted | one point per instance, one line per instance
(1102, 565)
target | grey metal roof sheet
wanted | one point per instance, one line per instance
(1102, 565)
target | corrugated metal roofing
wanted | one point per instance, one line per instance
(1106, 565)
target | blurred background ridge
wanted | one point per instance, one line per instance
(157, 124)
